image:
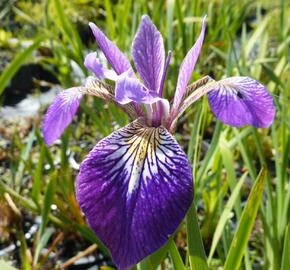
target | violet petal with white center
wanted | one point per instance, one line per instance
(239, 101)
(135, 188)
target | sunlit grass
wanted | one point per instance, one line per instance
(243, 38)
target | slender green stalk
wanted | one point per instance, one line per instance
(181, 25)
(286, 250)
(25, 263)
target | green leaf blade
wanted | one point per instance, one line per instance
(246, 223)
(286, 250)
(224, 216)
(17, 62)
(197, 257)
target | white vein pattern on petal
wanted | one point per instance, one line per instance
(140, 153)
(243, 88)
(233, 90)
(242, 100)
(159, 198)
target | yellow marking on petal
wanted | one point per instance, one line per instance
(142, 144)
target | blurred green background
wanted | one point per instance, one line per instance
(42, 47)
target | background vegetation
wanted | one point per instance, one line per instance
(41, 225)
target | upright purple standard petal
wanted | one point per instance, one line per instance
(148, 53)
(135, 188)
(60, 113)
(239, 101)
(116, 58)
(186, 69)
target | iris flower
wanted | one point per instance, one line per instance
(136, 185)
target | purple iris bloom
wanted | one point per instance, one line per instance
(136, 185)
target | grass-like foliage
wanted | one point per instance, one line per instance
(240, 215)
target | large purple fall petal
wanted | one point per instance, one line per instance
(115, 57)
(60, 113)
(186, 69)
(148, 53)
(135, 188)
(239, 101)
(130, 89)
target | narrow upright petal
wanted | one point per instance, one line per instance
(186, 69)
(60, 113)
(239, 101)
(115, 57)
(135, 188)
(166, 65)
(148, 53)
(130, 89)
